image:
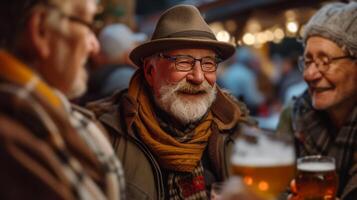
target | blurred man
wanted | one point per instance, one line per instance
(324, 118)
(242, 81)
(174, 128)
(48, 149)
(113, 68)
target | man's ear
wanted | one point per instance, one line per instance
(39, 33)
(149, 71)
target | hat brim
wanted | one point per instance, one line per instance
(224, 49)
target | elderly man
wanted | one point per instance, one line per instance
(174, 128)
(48, 150)
(324, 119)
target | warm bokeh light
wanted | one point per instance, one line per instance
(249, 39)
(290, 14)
(239, 42)
(261, 37)
(216, 27)
(253, 26)
(292, 26)
(223, 36)
(269, 35)
(231, 25)
(263, 186)
(279, 34)
(248, 180)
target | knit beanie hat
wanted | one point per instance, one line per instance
(336, 22)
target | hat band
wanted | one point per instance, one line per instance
(190, 34)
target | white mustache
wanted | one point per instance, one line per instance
(186, 87)
(186, 110)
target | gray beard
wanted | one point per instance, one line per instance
(186, 110)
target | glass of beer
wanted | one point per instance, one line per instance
(265, 162)
(316, 178)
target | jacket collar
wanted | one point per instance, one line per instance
(226, 110)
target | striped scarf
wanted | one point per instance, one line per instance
(316, 137)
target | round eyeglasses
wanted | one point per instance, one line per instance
(186, 63)
(323, 63)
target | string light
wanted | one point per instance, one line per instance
(249, 39)
(223, 36)
(292, 26)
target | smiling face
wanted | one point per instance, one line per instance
(335, 88)
(185, 95)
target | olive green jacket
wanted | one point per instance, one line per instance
(142, 171)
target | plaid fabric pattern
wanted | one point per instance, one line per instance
(315, 135)
(82, 185)
(181, 134)
(25, 96)
(183, 185)
(188, 186)
(105, 154)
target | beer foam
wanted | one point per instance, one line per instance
(261, 162)
(265, 153)
(316, 166)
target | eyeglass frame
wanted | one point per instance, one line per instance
(302, 60)
(71, 18)
(216, 60)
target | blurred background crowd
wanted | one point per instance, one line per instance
(263, 73)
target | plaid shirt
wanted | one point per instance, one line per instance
(316, 135)
(46, 152)
(101, 147)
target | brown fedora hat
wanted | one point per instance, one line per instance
(180, 27)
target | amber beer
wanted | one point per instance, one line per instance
(265, 162)
(266, 179)
(316, 178)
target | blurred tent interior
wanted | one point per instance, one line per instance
(268, 28)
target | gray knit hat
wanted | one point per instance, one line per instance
(336, 22)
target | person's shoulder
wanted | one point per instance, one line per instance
(108, 112)
(84, 111)
(26, 158)
(290, 112)
(228, 107)
(106, 105)
(10, 127)
(242, 106)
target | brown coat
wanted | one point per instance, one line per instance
(142, 172)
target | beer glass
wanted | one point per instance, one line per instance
(316, 178)
(265, 162)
